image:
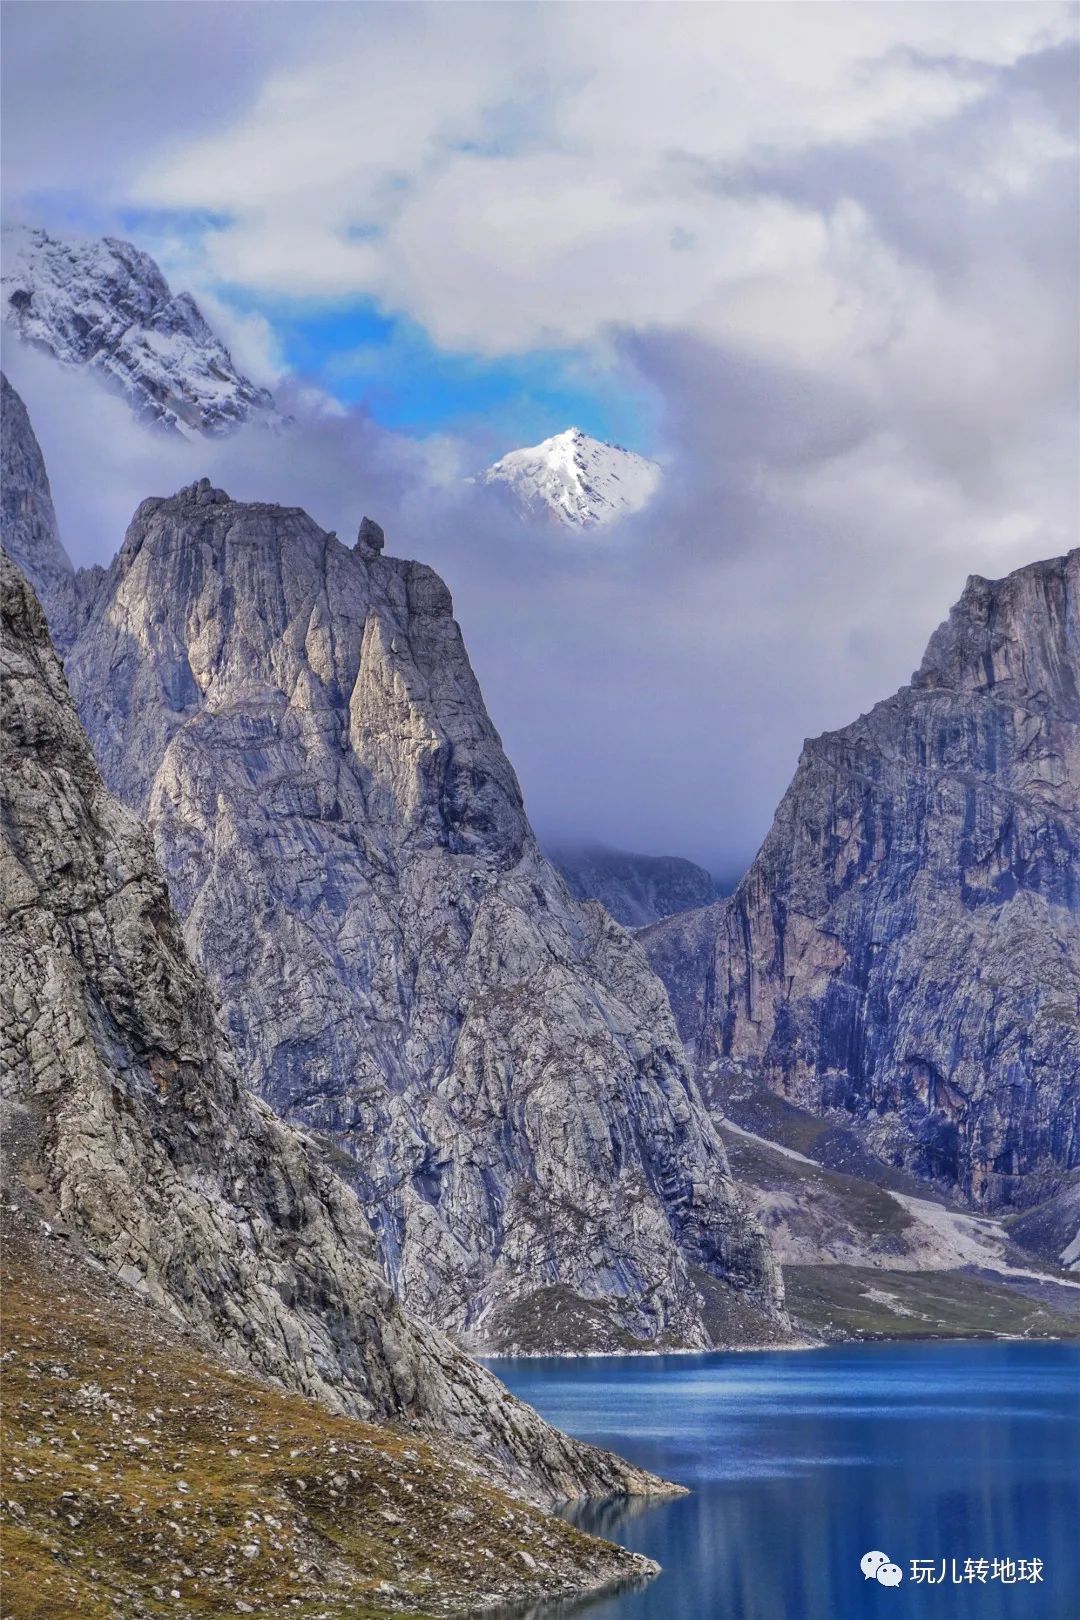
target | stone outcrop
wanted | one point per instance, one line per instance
(370, 537)
(125, 1115)
(904, 952)
(636, 889)
(400, 967)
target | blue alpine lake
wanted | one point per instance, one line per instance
(800, 1462)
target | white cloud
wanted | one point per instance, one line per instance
(835, 242)
(519, 177)
(550, 158)
(248, 335)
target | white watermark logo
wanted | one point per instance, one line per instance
(878, 1566)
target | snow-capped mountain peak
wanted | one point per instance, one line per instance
(576, 479)
(104, 304)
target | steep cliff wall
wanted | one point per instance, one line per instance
(905, 949)
(31, 536)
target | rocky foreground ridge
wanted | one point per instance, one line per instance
(143, 1477)
(126, 1120)
(904, 953)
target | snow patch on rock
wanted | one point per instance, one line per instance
(576, 480)
(104, 304)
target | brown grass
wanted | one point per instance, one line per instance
(142, 1477)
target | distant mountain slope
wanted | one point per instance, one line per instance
(635, 889)
(104, 304)
(580, 481)
(904, 952)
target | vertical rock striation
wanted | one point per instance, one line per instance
(124, 1112)
(31, 536)
(400, 967)
(905, 949)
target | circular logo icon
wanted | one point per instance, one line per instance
(878, 1566)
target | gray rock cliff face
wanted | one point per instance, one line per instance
(31, 536)
(400, 967)
(635, 889)
(124, 1108)
(905, 949)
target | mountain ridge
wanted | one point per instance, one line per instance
(104, 304)
(420, 986)
(402, 970)
(126, 1119)
(635, 889)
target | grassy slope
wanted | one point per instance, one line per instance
(868, 1303)
(143, 1478)
(867, 1292)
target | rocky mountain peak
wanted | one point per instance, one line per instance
(577, 480)
(401, 968)
(215, 604)
(1018, 637)
(126, 1119)
(104, 304)
(904, 953)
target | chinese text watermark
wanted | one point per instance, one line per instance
(878, 1566)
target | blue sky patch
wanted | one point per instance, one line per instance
(390, 365)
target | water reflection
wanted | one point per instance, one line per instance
(800, 1463)
(610, 1516)
(561, 1608)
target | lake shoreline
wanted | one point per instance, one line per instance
(485, 1356)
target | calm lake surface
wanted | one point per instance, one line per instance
(801, 1462)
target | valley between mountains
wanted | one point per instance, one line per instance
(322, 1077)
